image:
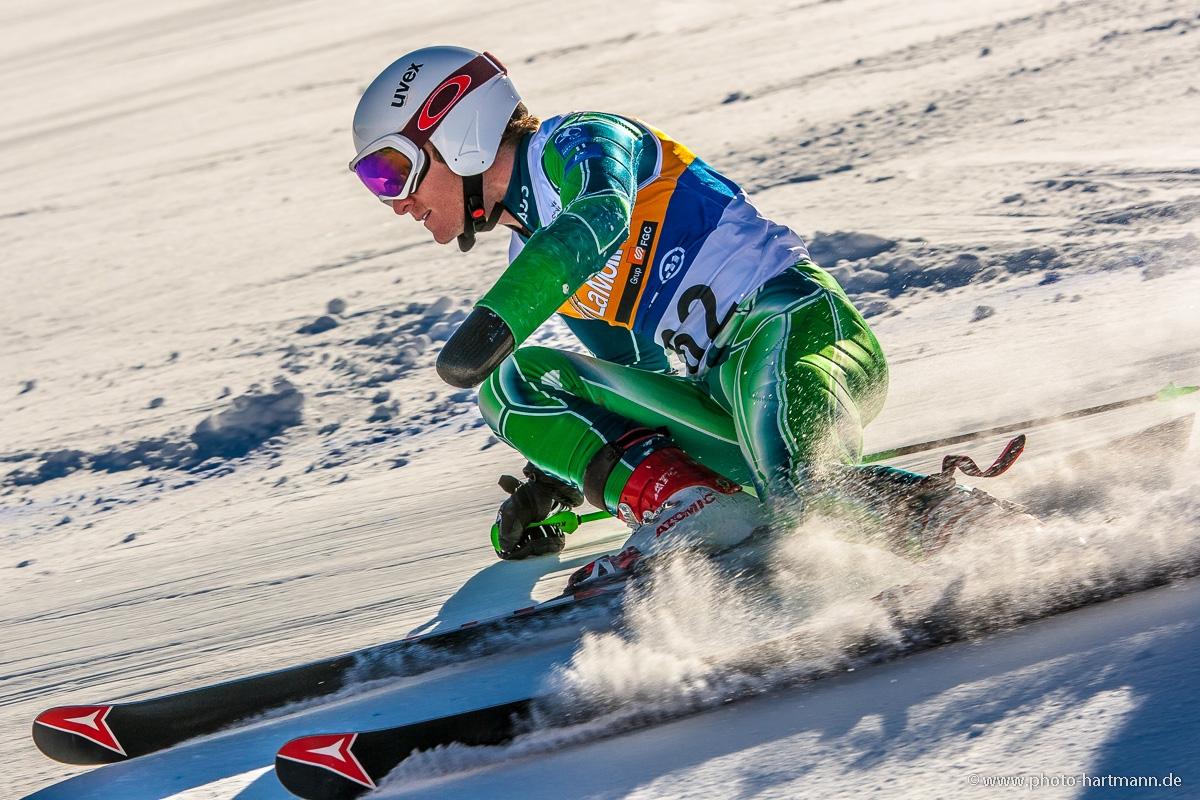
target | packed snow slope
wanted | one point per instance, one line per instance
(223, 448)
(1094, 692)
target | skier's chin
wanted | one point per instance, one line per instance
(443, 236)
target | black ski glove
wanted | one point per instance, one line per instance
(537, 498)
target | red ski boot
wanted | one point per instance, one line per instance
(673, 501)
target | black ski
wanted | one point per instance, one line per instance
(347, 765)
(107, 733)
(342, 766)
(111, 732)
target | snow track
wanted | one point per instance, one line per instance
(1103, 691)
(1107, 690)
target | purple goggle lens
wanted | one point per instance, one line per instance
(384, 172)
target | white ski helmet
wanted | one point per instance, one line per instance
(457, 99)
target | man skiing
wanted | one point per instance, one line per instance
(644, 250)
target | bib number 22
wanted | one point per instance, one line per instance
(684, 344)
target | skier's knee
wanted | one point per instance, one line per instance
(527, 364)
(512, 384)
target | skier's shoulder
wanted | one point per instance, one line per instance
(568, 133)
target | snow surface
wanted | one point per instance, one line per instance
(223, 448)
(1092, 692)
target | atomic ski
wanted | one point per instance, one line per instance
(346, 765)
(111, 732)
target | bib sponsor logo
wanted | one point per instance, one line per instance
(644, 243)
(671, 263)
(400, 96)
(639, 257)
(593, 297)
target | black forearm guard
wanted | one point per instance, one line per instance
(481, 342)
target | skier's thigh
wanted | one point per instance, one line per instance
(541, 376)
(793, 406)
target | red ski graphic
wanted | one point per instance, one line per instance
(85, 721)
(331, 752)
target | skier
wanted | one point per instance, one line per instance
(643, 249)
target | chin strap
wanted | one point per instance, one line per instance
(476, 219)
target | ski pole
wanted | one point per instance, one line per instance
(1168, 392)
(569, 521)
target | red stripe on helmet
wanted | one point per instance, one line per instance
(454, 88)
(447, 95)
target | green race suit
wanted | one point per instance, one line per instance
(644, 249)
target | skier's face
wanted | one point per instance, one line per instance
(437, 202)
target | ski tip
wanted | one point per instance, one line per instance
(322, 767)
(1171, 391)
(78, 735)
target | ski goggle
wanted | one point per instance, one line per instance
(390, 167)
